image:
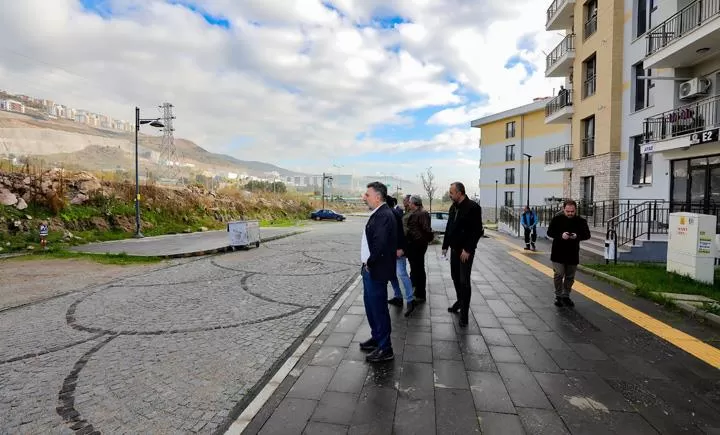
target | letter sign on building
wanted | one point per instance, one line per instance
(704, 137)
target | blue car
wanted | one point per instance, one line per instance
(319, 215)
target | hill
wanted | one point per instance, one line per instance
(67, 142)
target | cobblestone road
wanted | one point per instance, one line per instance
(176, 349)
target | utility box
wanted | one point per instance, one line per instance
(691, 246)
(244, 233)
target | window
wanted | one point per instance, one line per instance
(510, 130)
(589, 74)
(642, 18)
(588, 138)
(643, 88)
(587, 184)
(510, 176)
(642, 163)
(510, 153)
(652, 8)
(591, 10)
(509, 202)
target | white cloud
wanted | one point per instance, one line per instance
(300, 80)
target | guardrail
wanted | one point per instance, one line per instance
(683, 22)
(686, 119)
(564, 47)
(560, 154)
(562, 100)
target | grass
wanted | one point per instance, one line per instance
(653, 278)
(115, 259)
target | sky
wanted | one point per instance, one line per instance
(368, 87)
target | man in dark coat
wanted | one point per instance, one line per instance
(463, 231)
(419, 235)
(378, 253)
(567, 231)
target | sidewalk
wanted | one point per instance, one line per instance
(180, 245)
(521, 366)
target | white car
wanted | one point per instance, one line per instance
(438, 221)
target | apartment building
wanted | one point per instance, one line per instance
(12, 106)
(590, 59)
(507, 138)
(674, 117)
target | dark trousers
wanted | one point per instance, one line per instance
(460, 273)
(563, 278)
(376, 309)
(528, 231)
(416, 258)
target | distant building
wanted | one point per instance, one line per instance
(12, 106)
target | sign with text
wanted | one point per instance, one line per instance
(705, 136)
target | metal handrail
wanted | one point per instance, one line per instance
(563, 153)
(563, 99)
(686, 119)
(683, 22)
(553, 9)
(564, 47)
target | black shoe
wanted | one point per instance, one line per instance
(559, 302)
(396, 301)
(527, 247)
(410, 308)
(455, 308)
(533, 247)
(463, 322)
(380, 355)
(369, 345)
(568, 302)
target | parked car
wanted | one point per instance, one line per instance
(438, 221)
(319, 215)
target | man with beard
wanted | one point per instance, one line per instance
(462, 233)
(378, 253)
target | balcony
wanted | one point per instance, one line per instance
(559, 62)
(685, 39)
(560, 15)
(559, 158)
(685, 126)
(560, 109)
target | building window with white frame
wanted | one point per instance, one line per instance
(509, 201)
(642, 163)
(589, 76)
(510, 176)
(643, 87)
(591, 24)
(510, 153)
(510, 130)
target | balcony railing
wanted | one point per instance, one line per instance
(590, 27)
(589, 86)
(565, 46)
(588, 146)
(555, 6)
(564, 99)
(559, 154)
(690, 118)
(682, 23)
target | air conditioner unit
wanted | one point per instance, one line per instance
(693, 88)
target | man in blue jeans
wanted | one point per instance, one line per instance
(378, 253)
(401, 274)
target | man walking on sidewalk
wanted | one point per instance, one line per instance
(529, 224)
(419, 235)
(378, 253)
(401, 277)
(567, 231)
(463, 231)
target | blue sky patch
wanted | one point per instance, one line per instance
(527, 42)
(515, 60)
(98, 7)
(213, 20)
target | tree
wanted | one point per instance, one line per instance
(428, 182)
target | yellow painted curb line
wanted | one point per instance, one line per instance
(686, 342)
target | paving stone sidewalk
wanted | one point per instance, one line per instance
(521, 366)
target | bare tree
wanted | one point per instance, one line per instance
(428, 181)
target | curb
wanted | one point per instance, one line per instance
(607, 277)
(206, 252)
(693, 311)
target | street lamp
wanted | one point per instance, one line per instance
(138, 122)
(325, 177)
(496, 202)
(528, 180)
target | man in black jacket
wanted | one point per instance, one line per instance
(401, 279)
(567, 231)
(463, 231)
(419, 235)
(378, 253)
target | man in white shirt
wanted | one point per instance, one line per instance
(378, 253)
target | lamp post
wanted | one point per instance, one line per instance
(324, 177)
(138, 122)
(528, 179)
(496, 202)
